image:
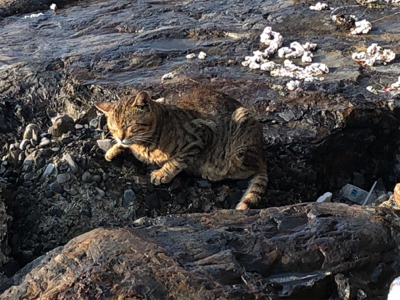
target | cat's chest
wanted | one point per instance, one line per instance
(154, 156)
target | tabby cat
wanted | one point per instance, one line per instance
(206, 133)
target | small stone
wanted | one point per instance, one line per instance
(53, 7)
(2, 169)
(28, 176)
(97, 178)
(152, 201)
(86, 209)
(94, 123)
(327, 197)
(203, 183)
(61, 124)
(44, 142)
(176, 185)
(55, 149)
(129, 197)
(49, 169)
(100, 191)
(87, 177)
(104, 144)
(71, 163)
(23, 144)
(56, 187)
(31, 132)
(48, 194)
(35, 159)
(78, 126)
(63, 178)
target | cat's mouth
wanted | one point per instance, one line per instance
(124, 143)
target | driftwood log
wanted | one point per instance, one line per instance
(305, 251)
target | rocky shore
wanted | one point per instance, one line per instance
(319, 135)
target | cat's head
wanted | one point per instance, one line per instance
(131, 120)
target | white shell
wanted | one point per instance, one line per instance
(202, 55)
(167, 76)
(190, 56)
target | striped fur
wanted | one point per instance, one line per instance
(208, 134)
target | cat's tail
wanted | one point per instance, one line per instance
(255, 191)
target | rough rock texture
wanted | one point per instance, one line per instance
(8, 266)
(305, 251)
(317, 138)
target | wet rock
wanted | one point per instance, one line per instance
(181, 198)
(104, 144)
(28, 176)
(71, 163)
(61, 124)
(48, 194)
(129, 197)
(56, 187)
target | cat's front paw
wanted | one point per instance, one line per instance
(110, 154)
(159, 176)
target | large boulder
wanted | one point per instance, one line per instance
(305, 251)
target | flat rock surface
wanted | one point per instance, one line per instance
(293, 252)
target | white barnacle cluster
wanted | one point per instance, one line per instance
(167, 76)
(33, 16)
(298, 50)
(374, 55)
(361, 27)
(202, 55)
(319, 6)
(274, 41)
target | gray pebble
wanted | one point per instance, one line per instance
(100, 191)
(129, 197)
(63, 178)
(55, 149)
(87, 177)
(55, 187)
(86, 209)
(49, 169)
(78, 126)
(28, 176)
(104, 144)
(97, 178)
(203, 183)
(71, 163)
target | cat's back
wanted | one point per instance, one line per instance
(209, 102)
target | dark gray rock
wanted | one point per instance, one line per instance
(87, 177)
(56, 187)
(71, 163)
(129, 197)
(63, 178)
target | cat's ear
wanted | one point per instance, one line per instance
(104, 107)
(143, 101)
